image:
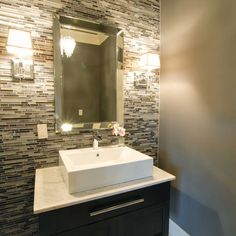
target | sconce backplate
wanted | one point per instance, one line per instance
(22, 69)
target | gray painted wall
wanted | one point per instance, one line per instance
(198, 113)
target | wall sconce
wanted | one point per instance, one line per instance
(148, 62)
(19, 43)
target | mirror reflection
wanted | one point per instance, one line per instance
(88, 78)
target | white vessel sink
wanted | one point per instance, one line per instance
(88, 168)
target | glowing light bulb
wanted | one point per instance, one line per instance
(67, 45)
(150, 61)
(66, 127)
(19, 43)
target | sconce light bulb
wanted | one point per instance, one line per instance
(150, 61)
(66, 127)
(67, 45)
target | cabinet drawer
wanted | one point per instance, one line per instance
(149, 221)
(68, 218)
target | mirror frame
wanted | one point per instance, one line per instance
(70, 22)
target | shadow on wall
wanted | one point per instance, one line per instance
(192, 216)
(182, 204)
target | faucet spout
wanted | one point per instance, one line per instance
(95, 144)
(96, 139)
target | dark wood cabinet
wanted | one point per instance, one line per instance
(103, 228)
(146, 222)
(143, 212)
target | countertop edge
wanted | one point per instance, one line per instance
(97, 193)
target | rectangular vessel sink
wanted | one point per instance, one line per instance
(88, 168)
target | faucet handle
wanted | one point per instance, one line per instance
(97, 136)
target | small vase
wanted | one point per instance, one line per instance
(121, 141)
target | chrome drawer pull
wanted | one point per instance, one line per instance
(119, 206)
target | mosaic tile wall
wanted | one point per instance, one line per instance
(23, 105)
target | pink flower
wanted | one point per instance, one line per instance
(118, 130)
(114, 131)
(121, 131)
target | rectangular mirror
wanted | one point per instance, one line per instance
(88, 62)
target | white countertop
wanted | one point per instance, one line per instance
(51, 193)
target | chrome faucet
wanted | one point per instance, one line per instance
(96, 138)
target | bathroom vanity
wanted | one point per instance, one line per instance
(139, 207)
